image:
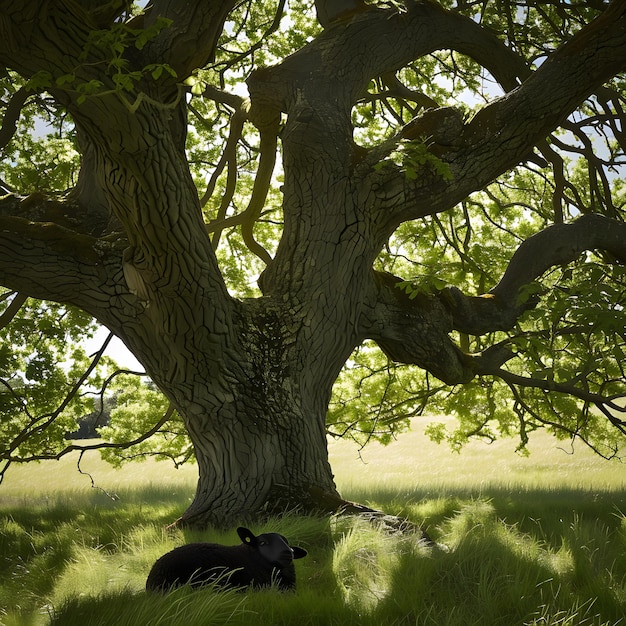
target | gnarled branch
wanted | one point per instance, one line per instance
(12, 309)
(556, 245)
(12, 115)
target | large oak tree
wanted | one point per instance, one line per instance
(449, 192)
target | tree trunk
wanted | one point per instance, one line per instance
(259, 439)
(257, 461)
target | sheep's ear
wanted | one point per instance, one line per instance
(298, 553)
(246, 536)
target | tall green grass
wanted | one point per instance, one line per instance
(521, 546)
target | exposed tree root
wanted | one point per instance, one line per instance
(323, 502)
(331, 503)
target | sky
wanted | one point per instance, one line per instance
(116, 350)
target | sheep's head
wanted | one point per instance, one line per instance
(273, 547)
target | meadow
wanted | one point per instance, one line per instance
(538, 540)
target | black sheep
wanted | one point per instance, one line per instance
(256, 562)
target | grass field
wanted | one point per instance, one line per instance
(538, 540)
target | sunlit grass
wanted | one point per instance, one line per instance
(413, 463)
(537, 541)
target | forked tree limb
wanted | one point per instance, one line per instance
(415, 329)
(558, 244)
(191, 40)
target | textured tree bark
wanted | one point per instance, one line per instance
(259, 434)
(256, 458)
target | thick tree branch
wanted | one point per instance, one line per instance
(415, 331)
(504, 132)
(86, 203)
(556, 245)
(52, 262)
(165, 284)
(12, 115)
(12, 309)
(372, 42)
(259, 193)
(268, 126)
(560, 244)
(27, 29)
(187, 44)
(522, 118)
(228, 158)
(190, 42)
(318, 135)
(376, 42)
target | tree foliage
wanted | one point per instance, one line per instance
(496, 207)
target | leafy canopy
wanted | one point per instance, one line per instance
(576, 332)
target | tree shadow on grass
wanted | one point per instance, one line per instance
(514, 558)
(38, 541)
(496, 573)
(542, 513)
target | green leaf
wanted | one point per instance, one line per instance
(65, 79)
(39, 81)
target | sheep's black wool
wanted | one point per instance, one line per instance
(256, 562)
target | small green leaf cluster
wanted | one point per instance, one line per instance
(44, 165)
(115, 41)
(109, 47)
(421, 285)
(112, 44)
(41, 156)
(413, 157)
